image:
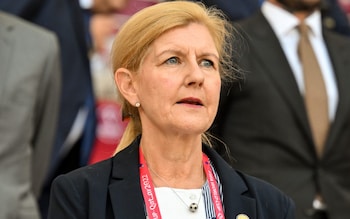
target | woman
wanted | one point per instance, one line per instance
(169, 60)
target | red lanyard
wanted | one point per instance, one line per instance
(149, 194)
(214, 188)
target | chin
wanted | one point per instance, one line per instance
(195, 128)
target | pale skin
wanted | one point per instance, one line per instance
(178, 86)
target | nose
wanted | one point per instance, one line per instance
(195, 75)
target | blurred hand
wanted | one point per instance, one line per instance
(108, 6)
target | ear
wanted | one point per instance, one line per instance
(124, 80)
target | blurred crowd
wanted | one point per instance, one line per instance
(86, 124)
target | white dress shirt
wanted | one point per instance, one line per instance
(288, 35)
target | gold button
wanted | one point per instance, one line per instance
(242, 216)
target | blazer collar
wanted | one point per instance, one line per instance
(126, 195)
(124, 189)
(234, 188)
(339, 47)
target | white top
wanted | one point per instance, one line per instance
(286, 32)
(172, 207)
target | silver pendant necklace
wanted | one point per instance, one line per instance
(193, 207)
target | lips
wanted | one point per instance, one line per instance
(192, 101)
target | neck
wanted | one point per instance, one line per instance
(172, 152)
(178, 166)
(193, 181)
(300, 14)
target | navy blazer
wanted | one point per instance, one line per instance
(111, 189)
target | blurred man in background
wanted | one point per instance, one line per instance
(272, 125)
(30, 80)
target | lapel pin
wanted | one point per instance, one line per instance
(242, 216)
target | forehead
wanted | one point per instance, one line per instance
(193, 35)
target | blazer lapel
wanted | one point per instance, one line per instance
(124, 189)
(266, 45)
(235, 202)
(126, 195)
(340, 48)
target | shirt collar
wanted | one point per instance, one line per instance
(286, 21)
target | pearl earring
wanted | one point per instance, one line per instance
(137, 104)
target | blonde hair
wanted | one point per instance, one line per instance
(144, 27)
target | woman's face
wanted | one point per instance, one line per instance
(178, 84)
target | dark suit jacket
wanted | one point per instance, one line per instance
(264, 122)
(111, 189)
(334, 17)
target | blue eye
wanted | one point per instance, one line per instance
(207, 63)
(172, 60)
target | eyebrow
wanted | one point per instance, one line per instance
(176, 51)
(180, 52)
(211, 55)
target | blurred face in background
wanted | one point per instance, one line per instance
(299, 5)
(108, 6)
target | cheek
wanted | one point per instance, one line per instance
(160, 91)
(216, 88)
(213, 94)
